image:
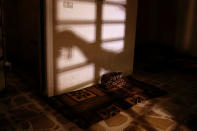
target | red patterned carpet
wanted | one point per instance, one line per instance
(93, 104)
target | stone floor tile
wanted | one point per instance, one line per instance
(42, 123)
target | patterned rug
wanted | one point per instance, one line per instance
(93, 104)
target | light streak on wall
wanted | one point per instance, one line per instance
(86, 32)
(81, 10)
(66, 81)
(114, 46)
(113, 12)
(110, 31)
(117, 1)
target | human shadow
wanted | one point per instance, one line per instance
(92, 52)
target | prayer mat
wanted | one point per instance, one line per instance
(93, 104)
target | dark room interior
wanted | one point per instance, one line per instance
(98, 65)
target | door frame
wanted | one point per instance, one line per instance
(46, 48)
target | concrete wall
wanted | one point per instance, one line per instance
(186, 40)
(90, 39)
(11, 28)
(23, 34)
(156, 21)
(169, 23)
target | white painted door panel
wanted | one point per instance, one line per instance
(86, 39)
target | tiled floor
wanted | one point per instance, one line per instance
(22, 110)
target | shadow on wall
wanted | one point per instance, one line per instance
(90, 41)
(168, 23)
(193, 41)
(186, 41)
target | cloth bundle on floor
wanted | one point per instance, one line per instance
(113, 81)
